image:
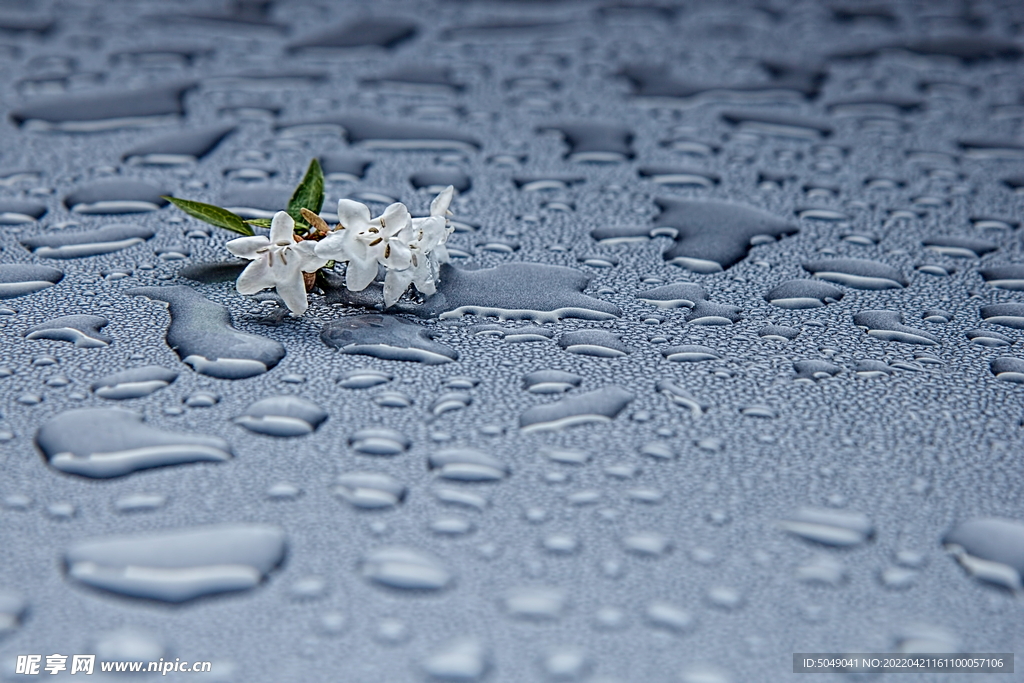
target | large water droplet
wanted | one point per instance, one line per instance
(385, 337)
(178, 565)
(203, 337)
(103, 443)
(105, 240)
(602, 405)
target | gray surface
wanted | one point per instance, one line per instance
(660, 540)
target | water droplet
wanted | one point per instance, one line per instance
(988, 338)
(18, 279)
(595, 142)
(178, 565)
(680, 396)
(134, 383)
(857, 273)
(962, 247)
(600, 343)
(888, 326)
(140, 502)
(385, 337)
(823, 570)
(1007, 315)
(813, 370)
(1008, 369)
(81, 330)
(106, 111)
(181, 147)
(535, 603)
(203, 337)
(712, 236)
(116, 197)
(370, 490)
(602, 405)
(105, 240)
(364, 378)
(518, 290)
(665, 615)
(282, 416)
(689, 353)
(405, 568)
(467, 464)
(1010, 276)
(12, 610)
(991, 549)
(104, 443)
(840, 528)
(379, 441)
(675, 295)
(447, 402)
(797, 294)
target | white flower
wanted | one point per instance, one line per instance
(277, 262)
(364, 242)
(425, 238)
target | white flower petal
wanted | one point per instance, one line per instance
(246, 246)
(395, 284)
(440, 254)
(439, 207)
(399, 255)
(309, 260)
(394, 219)
(336, 246)
(293, 291)
(282, 228)
(352, 214)
(360, 274)
(256, 276)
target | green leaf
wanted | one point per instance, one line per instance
(214, 215)
(259, 222)
(310, 192)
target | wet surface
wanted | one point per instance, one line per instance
(725, 365)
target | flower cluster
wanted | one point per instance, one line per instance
(301, 243)
(411, 249)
